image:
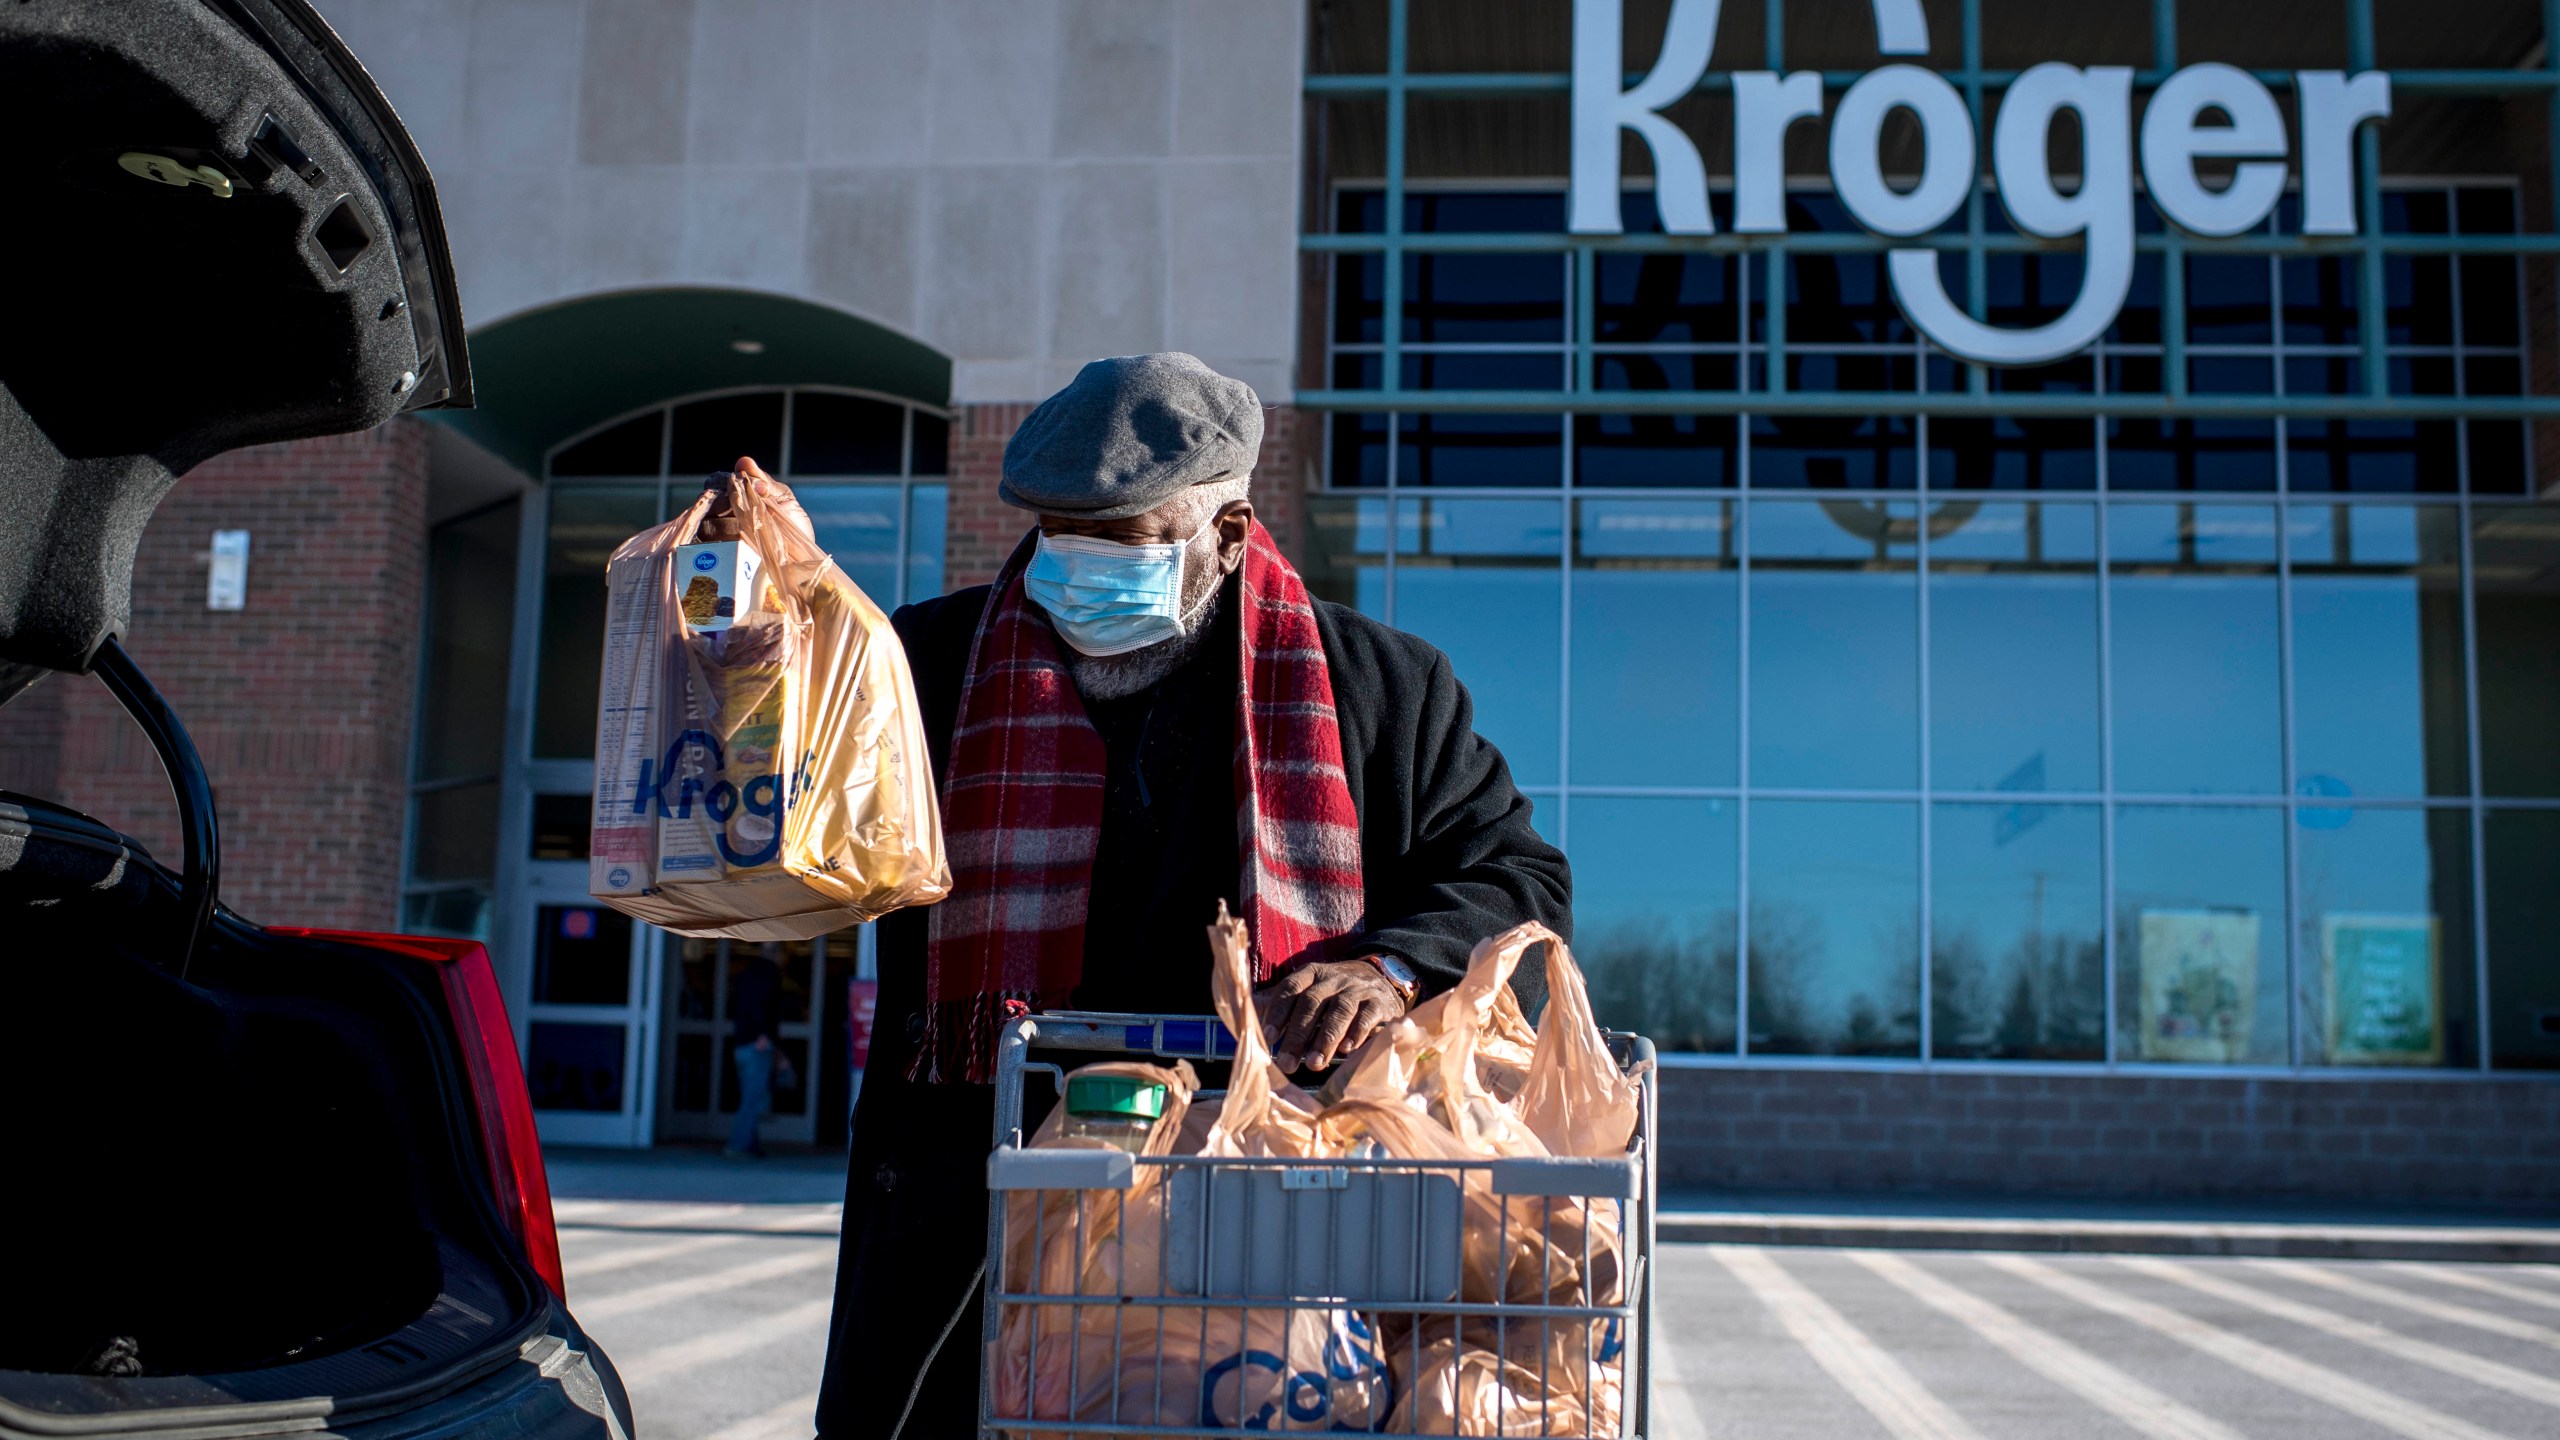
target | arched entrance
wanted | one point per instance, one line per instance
(618, 405)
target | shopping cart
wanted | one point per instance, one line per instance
(1217, 1295)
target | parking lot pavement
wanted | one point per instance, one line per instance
(1776, 1343)
(716, 1314)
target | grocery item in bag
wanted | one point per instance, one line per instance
(1177, 1365)
(761, 770)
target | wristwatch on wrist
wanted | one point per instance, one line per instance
(1399, 974)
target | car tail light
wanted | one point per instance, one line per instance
(498, 1091)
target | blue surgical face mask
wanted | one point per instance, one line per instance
(1107, 598)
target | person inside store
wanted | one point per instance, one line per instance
(1144, 716)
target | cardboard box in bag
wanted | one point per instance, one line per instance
(761, 770)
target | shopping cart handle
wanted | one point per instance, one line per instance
(1189, 1037)
(1011, 1167)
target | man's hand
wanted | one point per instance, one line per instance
(1315, 1014)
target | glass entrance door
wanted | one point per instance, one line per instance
(590, 1060)
(699, 1091)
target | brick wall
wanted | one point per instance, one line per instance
(983, 529)
(2381, 1139)
(300, 703)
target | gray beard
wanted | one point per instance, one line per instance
(1112, 677)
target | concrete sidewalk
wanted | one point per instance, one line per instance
(2268, 1229)
(698, 1174)
(695, 1173)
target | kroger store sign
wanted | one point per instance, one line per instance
(2203, 112)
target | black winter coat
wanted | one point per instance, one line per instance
(1447, 858)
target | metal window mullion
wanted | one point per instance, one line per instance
(2106, 753)
(2285, 764)
(1391, 284)
(1742, 508)
(1927, 781)
(784, 460)
(1977, 270)
(1564, 643)
(2479, 827)
(1774, 318)
(2369, 327)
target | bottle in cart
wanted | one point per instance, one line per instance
(1118, 1110)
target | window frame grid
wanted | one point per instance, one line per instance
(2175, 399)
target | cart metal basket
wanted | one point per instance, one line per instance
(1204, 1296)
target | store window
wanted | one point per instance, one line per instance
(461, 737)
(2149, 707)
(867, 468)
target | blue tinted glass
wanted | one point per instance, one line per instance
(2521, 854)
(1345, 560)
(1359, 445)
(1666, 299)
(2320, 300)
(1836, 299)
(1835, 928)
(2006, 454)
(1637, 209)
(2230, 300)
(1486, 212)
(1477, 370)
(2138, 323)
(2386, 934)
(1484, 299)
(1481, 581)
(858, 525)
(2194, 677)
(2489, 290)
(574, 1067)
(2391, 457)
(2190, 454)
(1656, 644)
(2017, 944)
(2515, 558)
(1697, 451)
(2200, 935)
(1834, 452)
(1475, 449)
(1620, 370)
(1834, 659)
(1654, 898)
(2033, 288)
(2417, 297)
(2013, 637)
(928, 517)
(1359, 298)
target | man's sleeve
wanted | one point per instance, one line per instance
(1473, 866)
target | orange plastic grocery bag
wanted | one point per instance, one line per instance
(761, 770)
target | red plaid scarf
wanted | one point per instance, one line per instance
(1022, 814)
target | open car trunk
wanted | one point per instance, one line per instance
(258, 1185)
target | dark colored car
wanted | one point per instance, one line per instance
(254, 1180)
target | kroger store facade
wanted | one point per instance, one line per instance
(2030, 595)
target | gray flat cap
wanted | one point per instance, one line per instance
(1127, 434)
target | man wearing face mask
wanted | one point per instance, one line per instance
(1145, 715)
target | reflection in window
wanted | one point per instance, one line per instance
(575, 1067)
(2377, 650)
(1656, 643)
(2017, 937)
(1346, 559)
(1470, 449)
(2385, 963)
(928, 514)
(2515, 559)
(1657, 884)
(1835, 682)
(2197, 696)
(858, 525)
(1480, 579)
(2200, 935)
(587, 523)
(581, 955)
(2013, 646)
(2523, 865)
(1835, 928)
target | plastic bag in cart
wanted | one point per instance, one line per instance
(1210, 1365)
(761, 770)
